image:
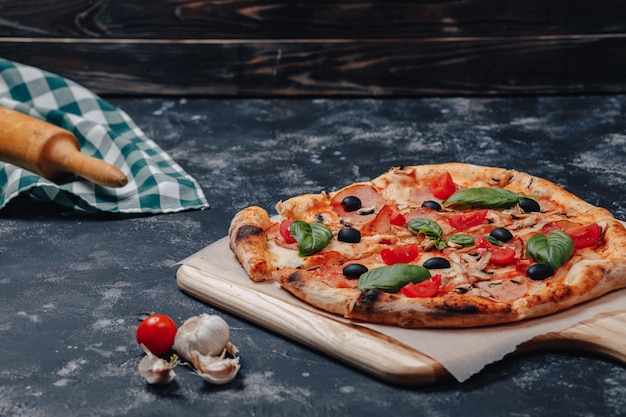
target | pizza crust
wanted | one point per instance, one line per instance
(299, 282)
(248, 241)
(452, 310)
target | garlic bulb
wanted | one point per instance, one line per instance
(205, 333)
(156, 370)
(204, 341)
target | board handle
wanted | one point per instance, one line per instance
(602, 335)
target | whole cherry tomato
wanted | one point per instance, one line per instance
(157, 333)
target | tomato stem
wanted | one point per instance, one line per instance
(145, 314)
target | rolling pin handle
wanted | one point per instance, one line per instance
(61, 155)
(50, 151)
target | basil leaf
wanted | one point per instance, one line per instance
(493, 240)
(553, 250)
(311, 237)
(483, 197)
(392, 278)
(461, 239)
(440, 244)
(466, 241)
(426, 227)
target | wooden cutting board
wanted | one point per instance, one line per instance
(380, 355)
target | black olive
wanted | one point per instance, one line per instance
(432, 205)
(350, 235)
(354, 270)
(501, 234)
(351, 203)
(539, 272)
(436, 263)
(529, 205)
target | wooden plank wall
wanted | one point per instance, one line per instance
(323, 47)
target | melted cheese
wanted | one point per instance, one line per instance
(285, 257)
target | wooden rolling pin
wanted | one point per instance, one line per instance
(50, 151)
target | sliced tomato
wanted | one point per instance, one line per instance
(428, 288)
(386, 217)
(503, 255)
(585, 235)
(381, 224)
(481, 242)
(499, 254)
(443, 186)
(467, 219)
(401, 254)
(558, 225)
(395, 217)
(522, 265)
(273, 233)
(284, 231)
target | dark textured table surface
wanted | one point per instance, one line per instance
(71, 285)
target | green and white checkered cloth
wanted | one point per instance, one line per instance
(156, 183)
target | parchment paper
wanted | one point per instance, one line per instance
(462, 352)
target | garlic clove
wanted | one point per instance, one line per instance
(215, 369)
(232, 349)
(156, 370)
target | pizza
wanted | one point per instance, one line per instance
(440, 245)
